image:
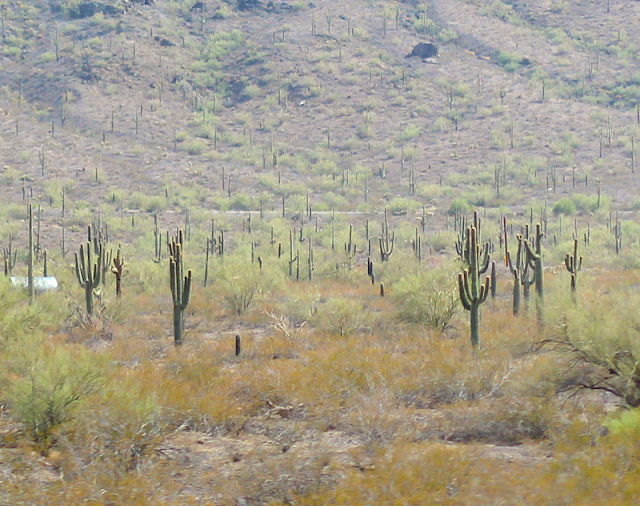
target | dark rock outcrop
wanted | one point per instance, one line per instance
(424, 50)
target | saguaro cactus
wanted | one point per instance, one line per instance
(180, 287)
(387, 240)
(117, 269)
(30, 284)
(88, 273)
(520, 271)
(534, 258)
(10, 255)
(472, 291)
(573, 263)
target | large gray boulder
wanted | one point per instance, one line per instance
(424, 50)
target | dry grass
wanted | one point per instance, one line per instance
(335, 398)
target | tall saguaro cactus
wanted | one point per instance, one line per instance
(88, 272)
(472, 291)
(180, 287)
(534, 258)
(387, 240)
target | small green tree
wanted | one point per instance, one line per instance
(47, 383)
(427, 297)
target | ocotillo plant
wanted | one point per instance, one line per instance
(117, 269)
(88, 273)
(573, 263)
(387, 240)
(534, 258)
(472, 291)
(180, 287)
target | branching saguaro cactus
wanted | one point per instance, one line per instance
(573, 263)
(521, 275)
(534, 258)
(88, 273)
(472, 291)
(9, 256)
(180, 287)
(117, 270)
(387, 240)
(460, 224)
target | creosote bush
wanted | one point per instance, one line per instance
(598, 335)
(427, 297)
(46, 384)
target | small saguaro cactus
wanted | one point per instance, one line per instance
(117, 269)
(180, 287)
(472, 291)
(157, 240)
(573, 263)
(88, 273)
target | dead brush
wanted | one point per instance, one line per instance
(284, 325)
(86, 328)
(286, 329)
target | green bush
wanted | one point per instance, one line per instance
(340, 315)
(427, 297)
(45, 384)
(240, 282)
(564, 206)
(458, 206)
(195, 147)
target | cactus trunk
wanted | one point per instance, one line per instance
(178, 324)
(475, 324)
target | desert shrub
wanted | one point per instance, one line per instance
(427, 297)
(124, 421)
(511, 62)
(589, 203)
(46, 384)
(241, 202)
(240, 282)
(195, 147)
(599, 336)
(458, 206)
(340, 315)
(440, 241)
(402, 206)
(564, 206)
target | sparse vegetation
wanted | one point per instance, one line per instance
(318, 185)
